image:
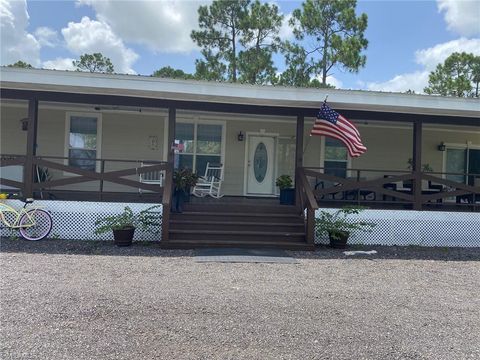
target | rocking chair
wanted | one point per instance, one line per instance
(211, 182)
(152, 177)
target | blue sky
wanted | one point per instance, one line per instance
(406, 38)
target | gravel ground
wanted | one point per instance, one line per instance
(90, 300)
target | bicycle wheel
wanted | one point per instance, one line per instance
(42, 224)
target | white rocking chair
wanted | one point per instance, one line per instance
(152, 177)
(211, 182)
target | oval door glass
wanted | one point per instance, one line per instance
(260, 162)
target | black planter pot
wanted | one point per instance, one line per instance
(339, 239)
(123, 237)
(287, 196)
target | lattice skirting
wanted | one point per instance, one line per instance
(422, 228)
(76, 219)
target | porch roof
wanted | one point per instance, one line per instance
(228, 93)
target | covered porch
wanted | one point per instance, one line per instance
(415, 160)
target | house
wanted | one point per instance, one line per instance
(100, 135)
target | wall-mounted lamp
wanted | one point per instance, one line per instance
(442, 147)
(24, 123)
(240, 136)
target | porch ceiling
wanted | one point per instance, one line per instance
(227, 93)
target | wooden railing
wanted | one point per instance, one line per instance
(417, 190)
(72, 177)
(305, 200)
(167, 201)
(12, 160)
(116, 176)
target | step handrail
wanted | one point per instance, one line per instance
(308, 202)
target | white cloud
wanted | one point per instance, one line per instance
(90, 36)
(334, 81)
(461, 16)
(59, 64)
(17, 43)
(331, 80)
(429, 59)
(165, 26)
(286, 31)
(46, 36)
(437, 54)
(411, 81)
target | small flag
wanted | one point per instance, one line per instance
(332, 124)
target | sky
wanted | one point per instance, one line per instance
(407, 39)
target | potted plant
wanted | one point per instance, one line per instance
(339, 227)
(425, 168)
(191, 179)
(123, 225)
(287, 192)
(183, 181)
(42, 174)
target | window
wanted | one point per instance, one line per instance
(83, 141)
(198, 144)
(336, 158)
(463, 165)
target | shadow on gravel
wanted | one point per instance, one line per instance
(394, 252)
(83, 247)
(107, 248)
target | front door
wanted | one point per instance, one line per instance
(261, 165)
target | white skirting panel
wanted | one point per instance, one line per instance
(76, 219)
(422, 228)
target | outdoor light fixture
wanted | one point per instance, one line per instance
(24, 123)
(240, 136)
(442, 147)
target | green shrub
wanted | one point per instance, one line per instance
(128, 219)
(338, 222)
(284, 182)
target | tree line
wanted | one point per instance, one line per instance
(239, 39)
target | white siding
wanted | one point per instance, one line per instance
(125, 135)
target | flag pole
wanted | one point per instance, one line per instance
(310, 135)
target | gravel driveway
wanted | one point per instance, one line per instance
(90, 300)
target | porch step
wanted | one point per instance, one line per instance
(264, 225)
(229, 235)
(254, 224)
(242, 208)
(189, 244)
(233, 216)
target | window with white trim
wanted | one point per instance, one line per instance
(83, 141)
(197, 144)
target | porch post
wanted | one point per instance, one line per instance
(417, 164)
(167, 190)
(298, 151)
(172, 114)
(28, 170)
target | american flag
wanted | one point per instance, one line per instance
(332, 124)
